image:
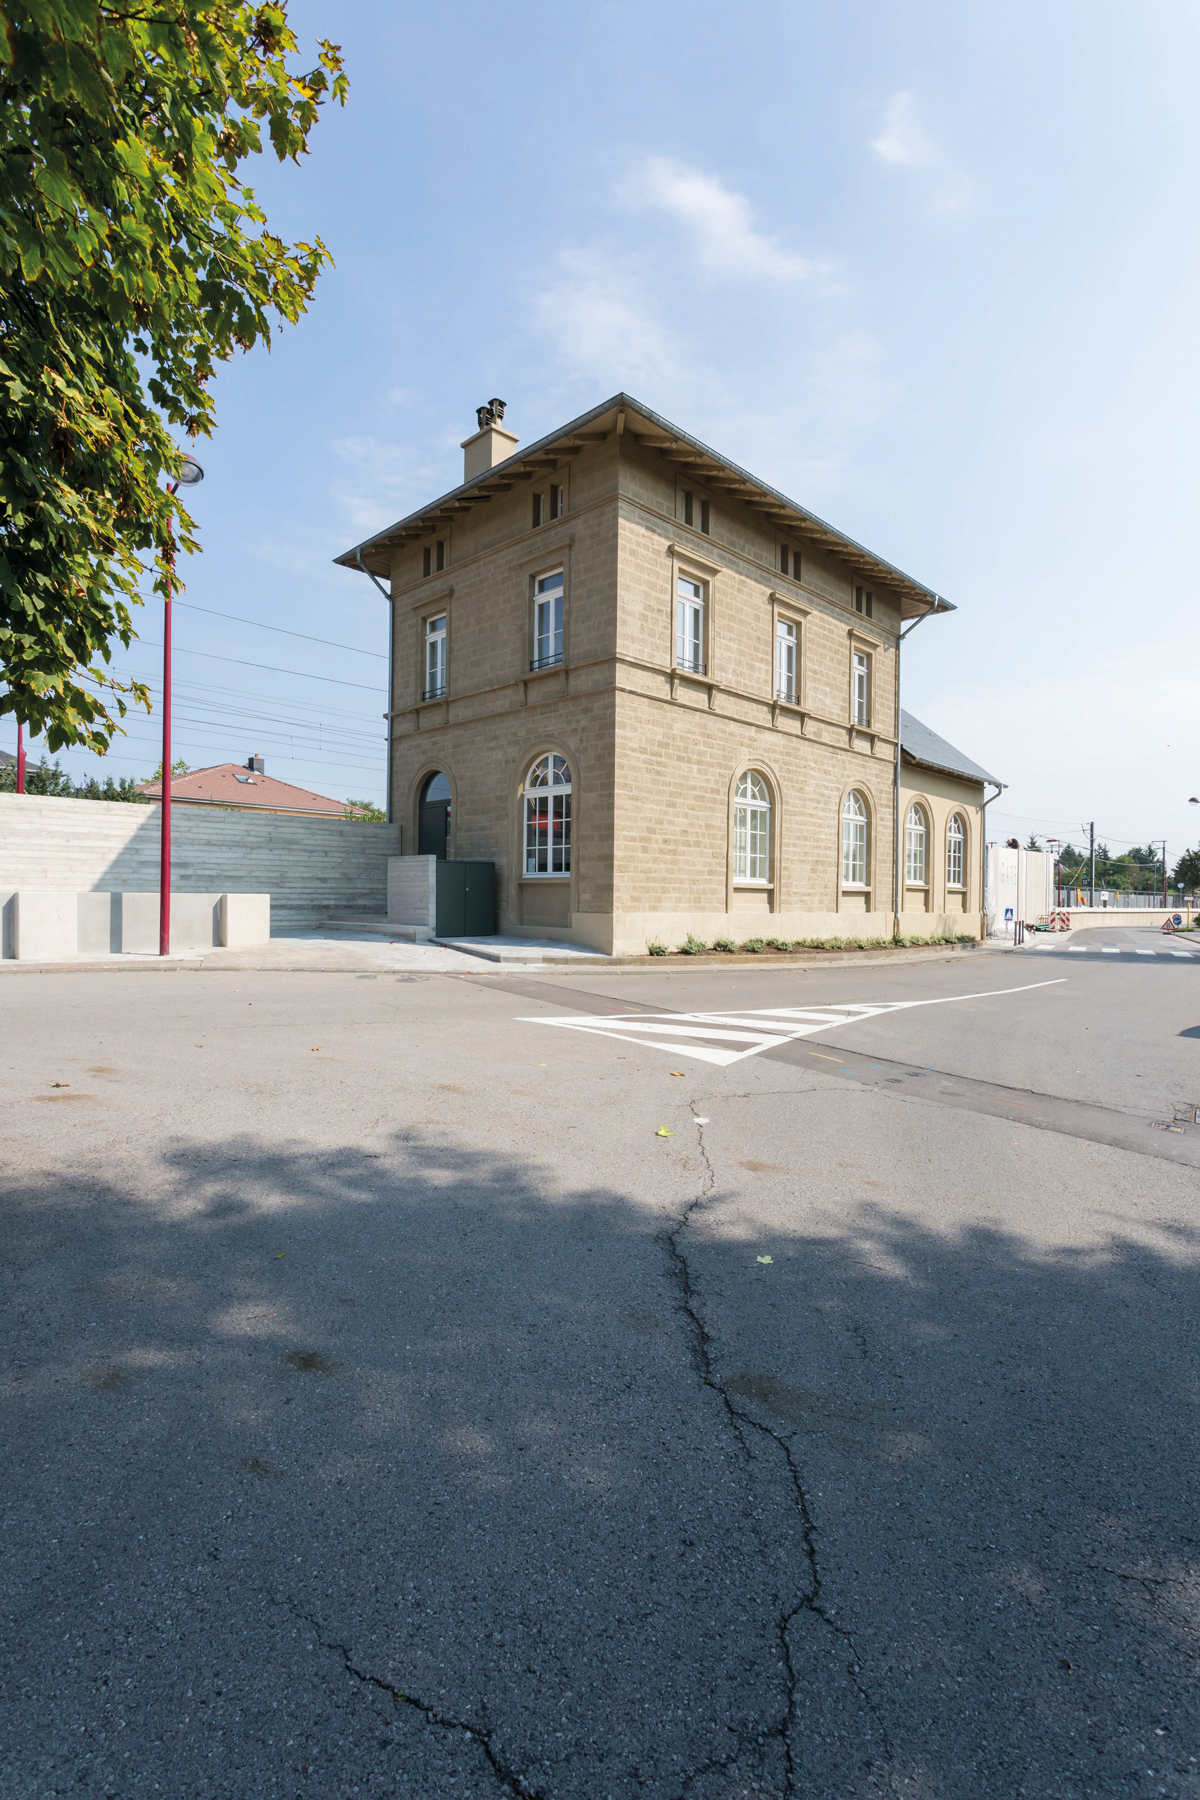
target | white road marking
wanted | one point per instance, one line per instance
(1110, 950)
(713, 1035)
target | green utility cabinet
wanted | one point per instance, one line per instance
(465, 899)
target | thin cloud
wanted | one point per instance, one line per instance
(903, 140)
(604, 325)
(721, 222)
(904, 143)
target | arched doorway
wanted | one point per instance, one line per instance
(433, 817)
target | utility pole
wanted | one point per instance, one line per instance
(1092, 863)
(1055, 845)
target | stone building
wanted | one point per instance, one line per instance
(661, 697)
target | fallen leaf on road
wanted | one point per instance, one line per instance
(663, 1132)
(766, 1259)
(677, 1072)
(279, 1255)
(60, 1084)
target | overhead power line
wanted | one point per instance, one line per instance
(212, 656)
(238, 620)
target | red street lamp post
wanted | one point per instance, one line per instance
(20, 757)
(190, 475)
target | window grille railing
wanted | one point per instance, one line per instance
(545, 662)
(434, 693)
(691, 666)
(788, 694)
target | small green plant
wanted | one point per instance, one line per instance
(726, 944)
(692, 945)
(754, 944)
(655, 948)
(779, 943)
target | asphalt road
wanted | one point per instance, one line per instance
(390, 1409)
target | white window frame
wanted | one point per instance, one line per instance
(548, 616)
(690, 609)
(855, 823)
(916, 846)
(956, 853)
(860, 689)
(436, 627)
(545, 818)
(787, 660)
(752, 831)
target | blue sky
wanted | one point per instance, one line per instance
(930, 269)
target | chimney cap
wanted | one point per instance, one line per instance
(491, 414)
(256, 764)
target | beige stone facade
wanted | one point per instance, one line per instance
(783, 677)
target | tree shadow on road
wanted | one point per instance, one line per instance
(413, 1473)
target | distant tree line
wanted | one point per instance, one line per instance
(1136, 871)
(48, 778)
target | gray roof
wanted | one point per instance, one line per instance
(5, 757)
(373, 555)
(920, 745)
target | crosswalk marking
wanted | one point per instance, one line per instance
(726, 1037)
(1124, 950)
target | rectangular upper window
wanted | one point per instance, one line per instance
(785, 660)
(547, 620)
(789, 561)
(864, 602)
(860, 696)
(433, 558)
(695, 511)
(549, 505)
(689, 626)
(435, 658)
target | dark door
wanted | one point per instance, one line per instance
(450, 913)
(433, 818)
(479, 899)
(466, 899)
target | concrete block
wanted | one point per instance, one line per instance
(243, 920)
(194, 922)
(99, 918)
(412, 890)
(45, 925)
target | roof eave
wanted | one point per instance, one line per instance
(926, 762)
(916, 600)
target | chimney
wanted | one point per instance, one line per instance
(256, 765)
(491, 443)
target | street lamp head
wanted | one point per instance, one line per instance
(190, 472)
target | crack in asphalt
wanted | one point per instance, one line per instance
(509, 1779)
(810, 1601)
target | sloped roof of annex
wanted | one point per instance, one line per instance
(622, 411)
(920, 745)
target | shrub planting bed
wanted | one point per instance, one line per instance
(767, 948)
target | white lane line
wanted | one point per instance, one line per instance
(1145, 953)
(1077, 949)
(713, 1035)
(1110, 950)
(1186, 954)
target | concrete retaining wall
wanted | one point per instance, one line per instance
(310, 867)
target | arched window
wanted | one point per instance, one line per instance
(751, 829)
(433, 817)
(916, 833)
(955, 839)
(547, 796)
(854, 841)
